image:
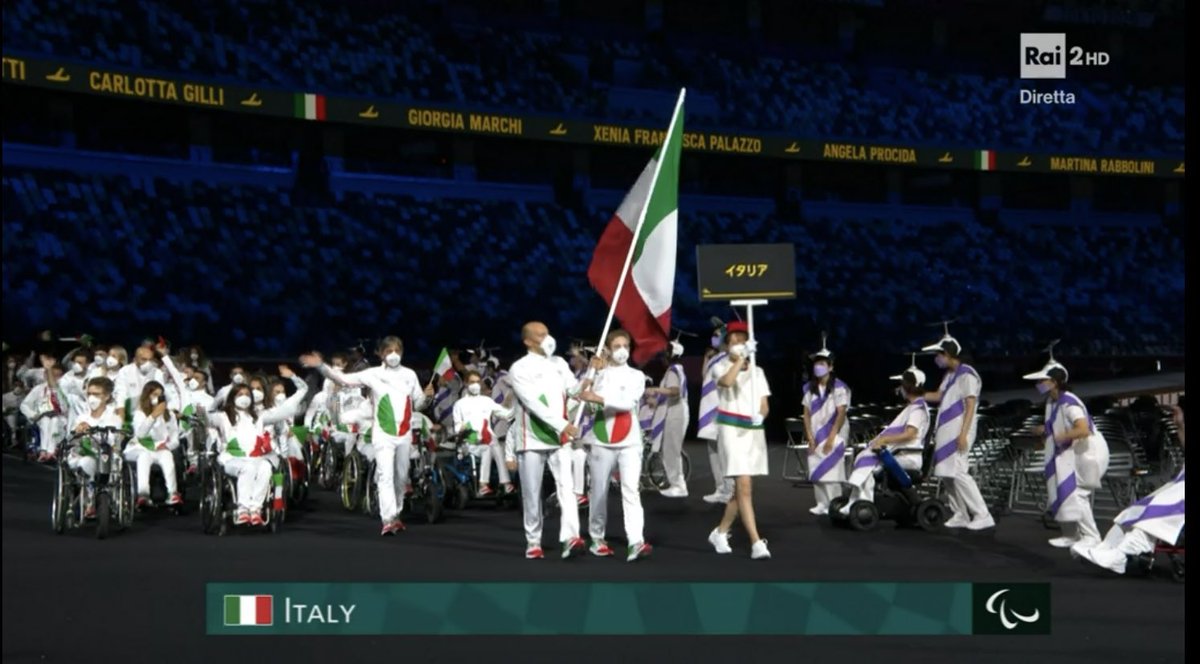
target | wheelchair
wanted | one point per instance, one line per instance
(113, 483)
(461, 472)
(1145, 564)
(218, 500)
(158, 483)
(654, 473)
(428, 479)
(896, 499)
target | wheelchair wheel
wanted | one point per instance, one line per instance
(687, 466)
(931, 514)
(462, 496)
(125, 491)
(656, 471)
(433, 502)
(59, 506)
(370, 501)
(351, 485)
(328, 473)
(1176, 567)
(210, 502)
(835, 510)
(103, 513)
(864, 515)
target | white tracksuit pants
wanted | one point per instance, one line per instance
(1085, 528)
(50, 429)
(963, 496)
(825, 492)
(253, 480)
(392, 461)
(672, 447)
(487, 455)
(628, 460)
(862, 480)
(82, 462)
(532, 465)
(144, 459)
(724, 485)
(579, 464)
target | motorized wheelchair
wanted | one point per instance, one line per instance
(112, 486)
(896, 499)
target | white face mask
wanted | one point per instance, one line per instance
(112, 362)
(154, 400)
(474, 389)
(242, 402)
(258, 395)
(146, 367)
(76, 369)
(549, 345)
(738, 350)
(195, 357)
(94, 402)
(238, 379)
(392, 359)
(193, 384)
(620, 355)
(280, 397)
(98, 360)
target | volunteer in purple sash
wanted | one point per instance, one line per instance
(1076, 458)
(671, 421)
(826, 400)
(905, 437)
(706, 425)
(1159, 517)
(957, 398)
(615, 441)
(741, 440)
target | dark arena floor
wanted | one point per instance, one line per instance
(139, 596)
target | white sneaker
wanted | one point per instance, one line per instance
(957, 521)
(759, 550)
(720, 541)
(1063, 542)
(717, 498)
(982, 523)
(674, 492)
(818, 510)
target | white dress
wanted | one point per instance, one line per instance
(741, 444)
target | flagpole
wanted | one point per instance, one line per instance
(637, 230)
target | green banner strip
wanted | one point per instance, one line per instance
(104, 80)
(596, 609)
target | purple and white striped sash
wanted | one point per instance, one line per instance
(948, 414)
(708, 402)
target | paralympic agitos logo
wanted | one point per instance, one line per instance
(1018, 608)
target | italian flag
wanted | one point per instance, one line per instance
(644, 227)
(613, 428)
(248, 610)
(985, 160)
(309, 106)
(443, 367)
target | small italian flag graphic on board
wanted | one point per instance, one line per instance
(310, 106)
(985, 160)
(243, 610)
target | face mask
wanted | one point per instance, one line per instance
(258, 395)
(820, 371)
(339, 367)
(112, 362)
(243, 401)
(195, 356)
(549, 345)
(193, 384)
(900, 392)
(238, 379)
(738, 350)
(621, 355)
(941, 361)
(147, 368)
(154, 401)
(76, 369)
(474, 389)
(98, 360)
(94, 402)
(392, 359)
(1043, 388)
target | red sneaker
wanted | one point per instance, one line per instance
(486, 491)
(582, 500)
(175, 499)
(388, 529)
(241, 518)
(142, 501)
(256, 519)
(573, 546)
(534, 552)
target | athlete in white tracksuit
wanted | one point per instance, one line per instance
(671, 421)
(194, 400)
(905, 437)
(615, 440)
(473, 415)
(99, 412)
(1076, 458)
(155, 438)
(540, 436)
(826, 401)
(395, 394)
(958, 401)
(44, 406)
(244, 444)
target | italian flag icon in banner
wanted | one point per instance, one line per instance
(248, 610)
